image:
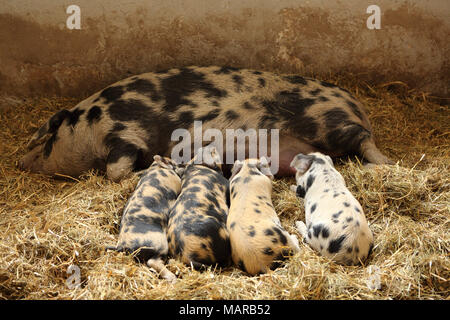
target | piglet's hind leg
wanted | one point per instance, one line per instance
(159, 266)
(301, 227)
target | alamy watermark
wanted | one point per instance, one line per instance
(235, 142)
(374, 280)
(73, 21)
(73, 280)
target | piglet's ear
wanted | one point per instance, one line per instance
(207, 156)
(264, 167)
(211, 157)
(163, 162)
(302, 162)
(236, 168)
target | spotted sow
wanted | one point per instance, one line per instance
(120, 128)
(335, 222)
(258, 241)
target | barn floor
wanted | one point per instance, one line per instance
(46, 225)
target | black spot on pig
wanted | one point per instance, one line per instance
(347, 139)
(74, 117)
(94, 114)
(317, 229)
(231, 115)
(310, 181)
(178, 87)
(118, 127)
(262, 82)
(336, 215)
(313, 208)
(354, 109)
(268, 251)
(237, 79)
(319, 161)
(185, 119)
(56, 120)
(48, 147)
(267, 121)
(336, 244)
(226, 70)
(300, 191)
(281, 236)
(210, 115)
(335, 117)
(145, 87)
(290, 107)
(315, 92)
(247, 105)
(143, 224)
(347, 204)
(119, 148)
(295, 79)
(111, 94)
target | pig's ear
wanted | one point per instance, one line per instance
(207, 156)
(211, 157)
(263, 166)
(302, 162)
(329, 160)
(179, 169)
(164, 162)
(238, 164)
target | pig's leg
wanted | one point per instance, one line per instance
(301, 227)
(294, 243)
(159, 266)
(121, 160)
(371, 153)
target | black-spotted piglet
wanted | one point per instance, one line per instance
(335, 222)
(258, 241)
(197, 231)
(144, 221)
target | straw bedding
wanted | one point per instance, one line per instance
(46, 225)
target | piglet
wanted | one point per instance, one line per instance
(197, 232)
(258, 241)
(144, 221)
(336, 226)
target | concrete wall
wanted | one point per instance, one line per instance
(40, 56)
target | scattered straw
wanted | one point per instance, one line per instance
(46, 225)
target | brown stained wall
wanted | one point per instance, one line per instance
(40, 56)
